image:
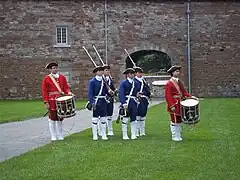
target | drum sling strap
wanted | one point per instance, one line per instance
(176, 86)
(56, 84)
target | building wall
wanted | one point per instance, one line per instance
(28, 33)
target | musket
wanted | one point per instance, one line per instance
(134, 66)
(103, 64)
(88, 105)
(108, 87)
(90, 56)
(101, 59)
(98, 55)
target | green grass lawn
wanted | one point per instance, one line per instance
(210, 151)
(18, 110)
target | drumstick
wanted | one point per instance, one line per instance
(45, 114)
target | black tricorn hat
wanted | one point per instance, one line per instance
(129, 70)
(105, 66)
(138, 69)
(174, 68)
(50, 65)
(98, 68)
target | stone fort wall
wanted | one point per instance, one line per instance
(28, 42)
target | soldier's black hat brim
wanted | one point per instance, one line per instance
(105, 66)
(98, 68)
(50, 65)
(138, 69)
(129, 70)
(174, 68)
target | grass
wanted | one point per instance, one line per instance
(210, 150)
(19, 110)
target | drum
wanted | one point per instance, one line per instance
(65, 106)
(189, 110)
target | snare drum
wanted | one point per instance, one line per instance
(65, 106)
(189, 111)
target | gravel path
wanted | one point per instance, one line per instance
(17, 138)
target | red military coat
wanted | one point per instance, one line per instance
(50, 91)
(174, 93)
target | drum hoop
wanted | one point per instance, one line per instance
(70, 98)
(67, 116)
(191, 99)
(196, 107)
(62, 106)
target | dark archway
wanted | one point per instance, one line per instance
(152, 62)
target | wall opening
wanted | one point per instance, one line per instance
(152, 62)
(155, 65)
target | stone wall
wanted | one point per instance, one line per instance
(28, 37)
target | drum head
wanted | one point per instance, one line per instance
(64, 98)
(189, 102)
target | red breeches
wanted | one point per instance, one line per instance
(175, 118)
(52, 114)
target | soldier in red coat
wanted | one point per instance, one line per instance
(50, 91)
(174, 94)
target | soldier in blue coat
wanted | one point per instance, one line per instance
(110, 97)
(143, 96)
(129, 103)
(97, 91)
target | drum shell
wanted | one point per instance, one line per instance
(66, 108)
(190, 114)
